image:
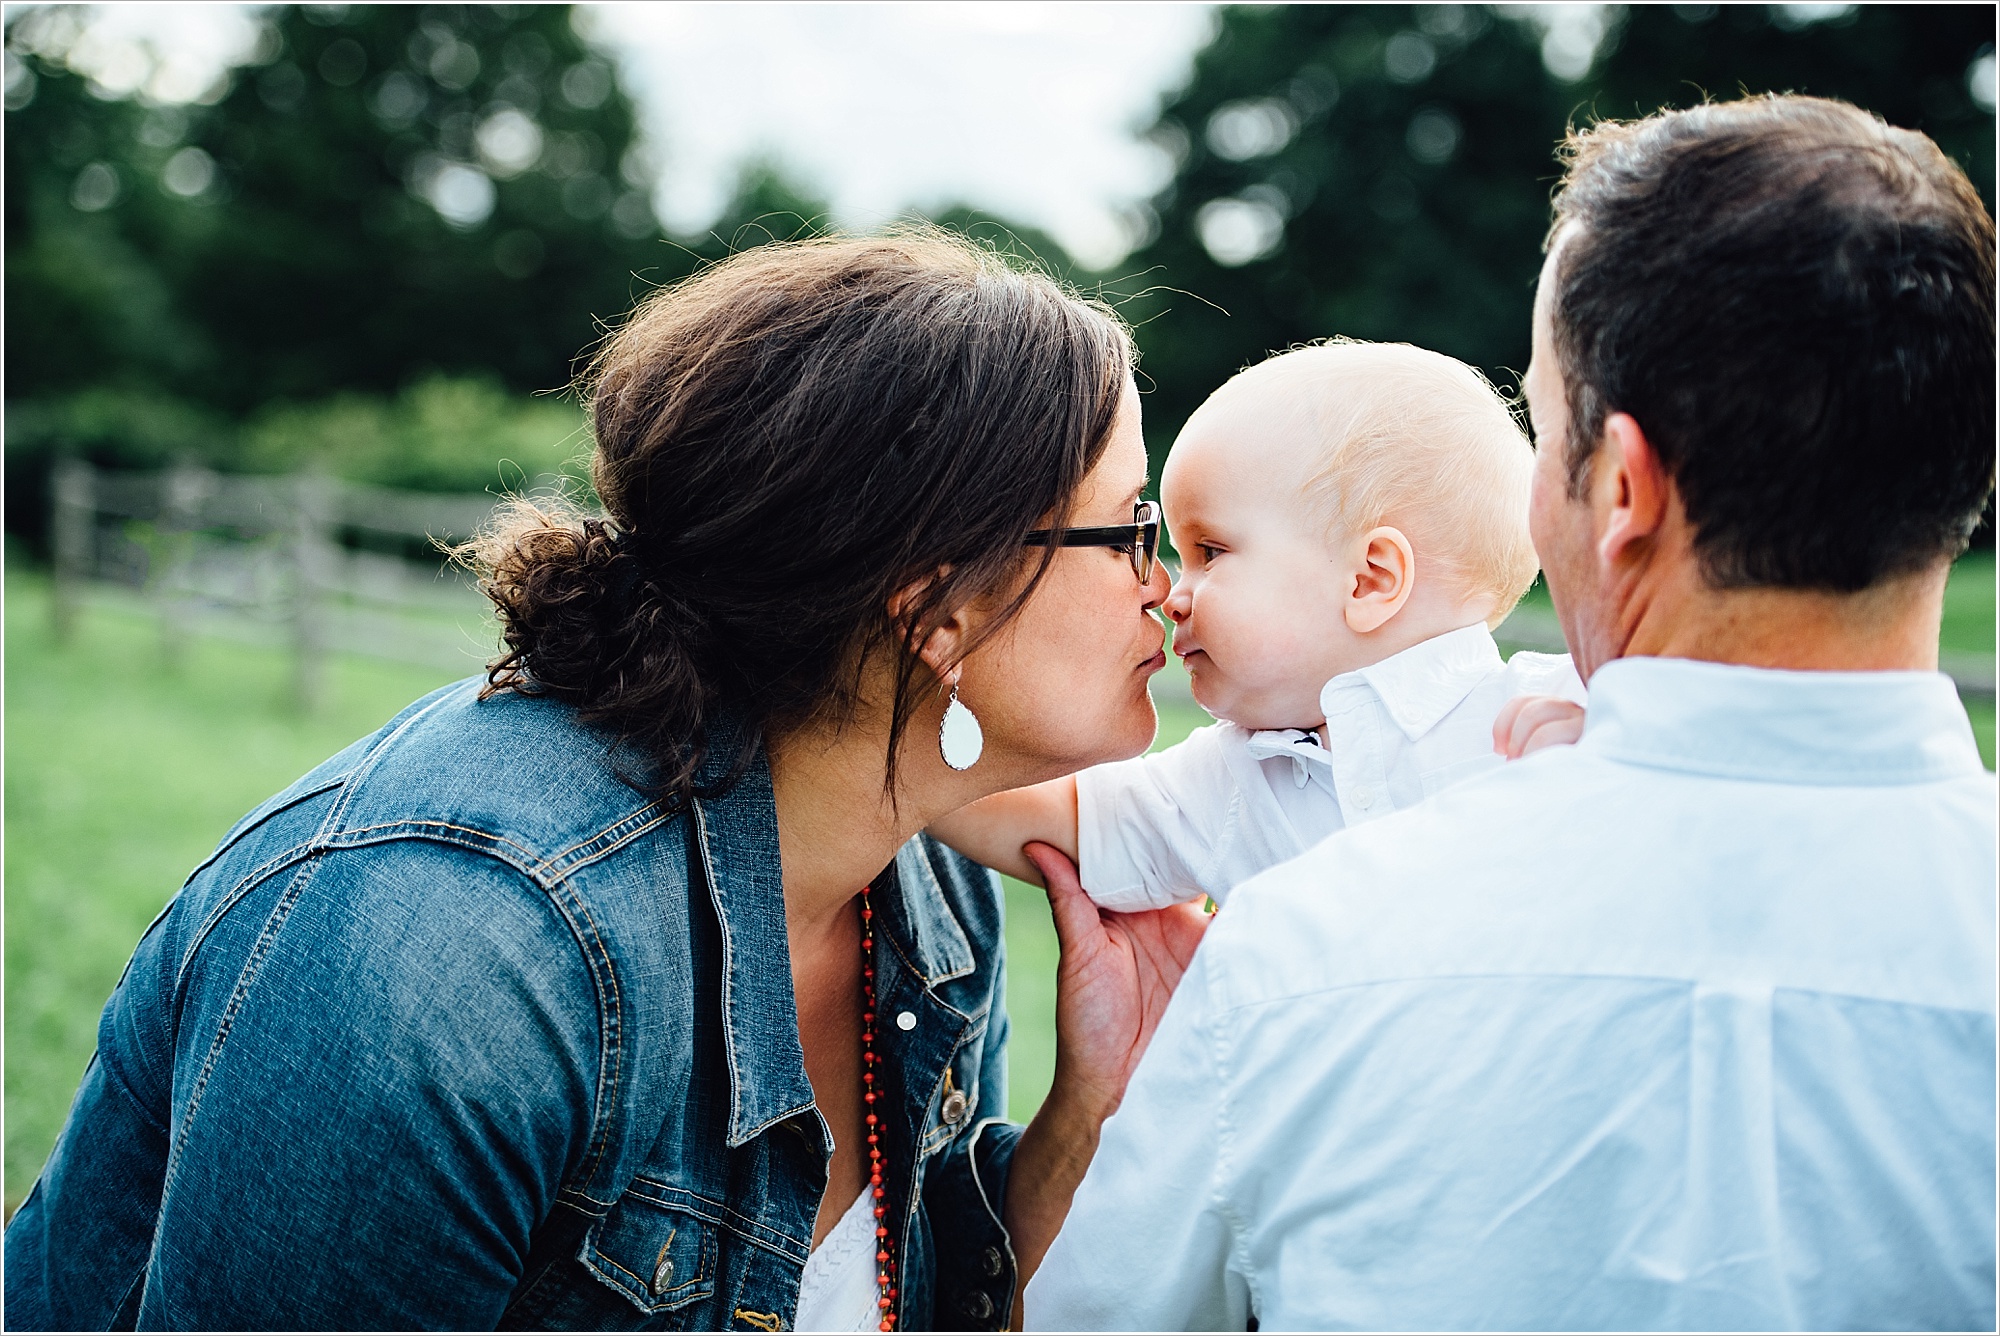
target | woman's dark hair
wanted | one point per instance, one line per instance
(784, 442)
(1795, 301)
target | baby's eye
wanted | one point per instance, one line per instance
(1209, 552)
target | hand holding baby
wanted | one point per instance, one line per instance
(1529, 723)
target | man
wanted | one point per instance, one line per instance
(1691, 1024)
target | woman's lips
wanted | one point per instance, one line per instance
(1154, 664)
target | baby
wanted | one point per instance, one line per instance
(1352, 520)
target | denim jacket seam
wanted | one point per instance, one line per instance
(588, 936)
(578, 1200)
(442, 832)
(722, 1215)
(944, 1134)
(274, 924)
(986, 1203)
(137, 1281)
(609, 840)
(611, 1031)
(250, 880)
(114, 1071)
(244, 829)
(559, 893)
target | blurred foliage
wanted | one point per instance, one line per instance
(371, 243)
(387, 190)
(1384, 171)
(364, 251)
(442, 434)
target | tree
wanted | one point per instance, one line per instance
(388, 190)
(1383, 171)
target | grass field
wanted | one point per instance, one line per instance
(122, 772)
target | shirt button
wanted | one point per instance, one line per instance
(906, 1020)
(1364, 798)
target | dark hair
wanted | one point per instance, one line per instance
(1795, 301)
(784, 442)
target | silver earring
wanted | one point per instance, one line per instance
(960, 740)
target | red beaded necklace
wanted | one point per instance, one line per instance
(885, 1275)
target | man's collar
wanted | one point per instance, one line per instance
(1780, 726)
(1422, 684)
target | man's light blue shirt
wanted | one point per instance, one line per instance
(1690, 1025)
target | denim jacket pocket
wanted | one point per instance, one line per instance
(658, 1257)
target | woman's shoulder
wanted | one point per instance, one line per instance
(520, 776)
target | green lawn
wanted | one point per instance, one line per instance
(121, 774)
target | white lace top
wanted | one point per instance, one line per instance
(837, 1292)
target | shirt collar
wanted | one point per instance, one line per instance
(736, 832)
(1780, 726)
(1422, 684)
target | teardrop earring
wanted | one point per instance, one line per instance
(960, 740)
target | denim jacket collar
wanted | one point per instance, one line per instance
(735, 832)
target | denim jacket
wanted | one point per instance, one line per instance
(461, 1031)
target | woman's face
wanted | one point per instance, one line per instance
(1063, 686)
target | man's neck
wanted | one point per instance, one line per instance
(1890, 625)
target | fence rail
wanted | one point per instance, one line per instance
(290, 557)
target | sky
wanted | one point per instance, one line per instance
(1027, 110)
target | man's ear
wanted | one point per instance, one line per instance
(1383, 576)
(1631, 489)
(942, 649)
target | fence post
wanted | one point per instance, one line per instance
(70, 525)
(183, 489)
(313, 555)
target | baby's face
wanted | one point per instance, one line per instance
(1258, 610)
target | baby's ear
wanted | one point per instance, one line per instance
(1383, 574)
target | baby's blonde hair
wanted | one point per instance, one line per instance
(1412, 437)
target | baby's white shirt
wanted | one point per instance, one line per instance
(1227, 803)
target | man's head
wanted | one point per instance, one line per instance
(1781, 309)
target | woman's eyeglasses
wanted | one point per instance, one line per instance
(1139, 540)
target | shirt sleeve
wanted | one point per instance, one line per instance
(1150, 1244)
(1149, 831)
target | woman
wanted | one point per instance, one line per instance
(618, 990)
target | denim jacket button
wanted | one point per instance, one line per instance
(975, 1305)
(906, 1020)
(991, 1262)
(663, 1275)
(954, 1106)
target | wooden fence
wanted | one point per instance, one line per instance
(311, 560)
(303, 558)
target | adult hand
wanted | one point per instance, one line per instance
(1530, 723)
(1117, 974)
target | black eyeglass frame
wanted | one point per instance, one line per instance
(1140, 539)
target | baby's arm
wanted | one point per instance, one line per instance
(1530, 723)
(994, 829)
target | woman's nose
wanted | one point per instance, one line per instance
(1159, 586)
